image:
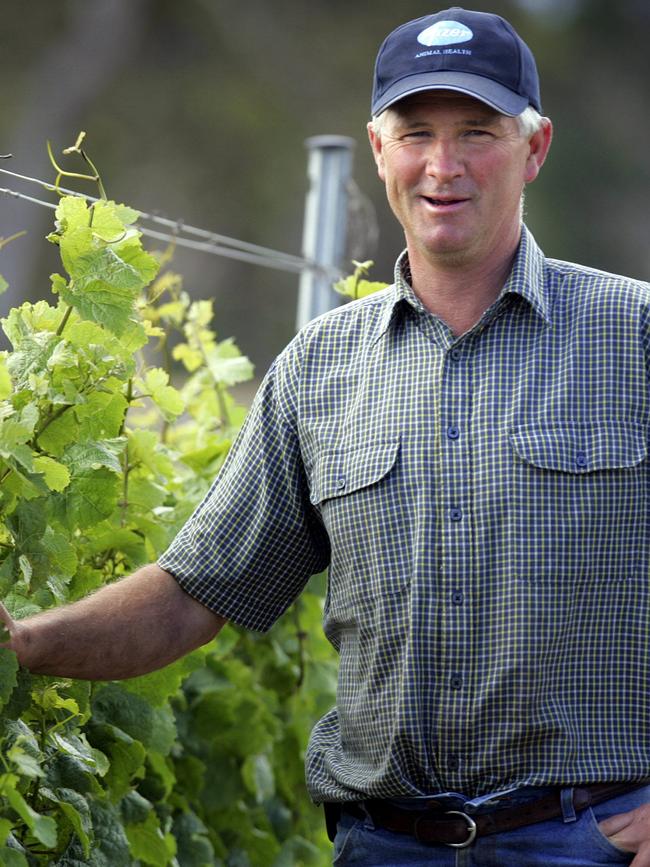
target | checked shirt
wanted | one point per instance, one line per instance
(482, 505)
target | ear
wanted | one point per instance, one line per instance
(539, 144)
(377, 151)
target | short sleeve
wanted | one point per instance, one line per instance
(255, 540)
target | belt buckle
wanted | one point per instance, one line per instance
(471, 829)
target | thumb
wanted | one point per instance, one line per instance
(7, 624)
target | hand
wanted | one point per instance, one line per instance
(631, 832)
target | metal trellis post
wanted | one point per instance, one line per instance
(326, 218)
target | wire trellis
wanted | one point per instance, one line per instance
(210, 242)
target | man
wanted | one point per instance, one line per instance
(467, 452)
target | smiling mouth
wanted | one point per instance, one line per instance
(443, 202)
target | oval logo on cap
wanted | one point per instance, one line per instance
(445, 33)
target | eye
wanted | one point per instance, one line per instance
(478, 133)
(417, 134)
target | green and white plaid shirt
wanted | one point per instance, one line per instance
(482, 503)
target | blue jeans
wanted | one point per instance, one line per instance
(571, 840)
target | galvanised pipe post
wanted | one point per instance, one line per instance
(326, 221)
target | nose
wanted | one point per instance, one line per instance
(444, 160)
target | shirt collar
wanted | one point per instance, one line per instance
(527, 276)
(526, 279)
(400, 292)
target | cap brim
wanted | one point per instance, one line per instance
(484, 89)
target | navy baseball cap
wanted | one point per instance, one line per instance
(476, 53)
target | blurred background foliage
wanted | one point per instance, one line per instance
(199, 110)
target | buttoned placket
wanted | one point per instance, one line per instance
(454, 544)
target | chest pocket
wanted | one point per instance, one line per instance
(575, 447)
(360, 495)
(342, 472)
(579, 499)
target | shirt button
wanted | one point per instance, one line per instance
(453, 762)
(581, 459)
(458, 597)
(456, 681)
(455, 354)
(456, 515)
(341, 482)
(452, 432)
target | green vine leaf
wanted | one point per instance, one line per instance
(355, 285)
(8, 671)
(90, 497)
(148, 842)
(56, 475)
(104, 452)
(42, 827)
(74, 807)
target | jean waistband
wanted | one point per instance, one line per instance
(459, 827)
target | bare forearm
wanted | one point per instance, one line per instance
(125, 629)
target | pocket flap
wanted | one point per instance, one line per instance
(343, 471)
(580, 447)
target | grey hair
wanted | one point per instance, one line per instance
(529, 122)
(377, 123)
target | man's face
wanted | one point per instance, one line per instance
(454, 171)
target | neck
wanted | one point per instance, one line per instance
(459, 293)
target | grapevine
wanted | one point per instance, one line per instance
(103, 455)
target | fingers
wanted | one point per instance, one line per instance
(616, 823)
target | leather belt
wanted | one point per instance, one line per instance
(458, 829)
